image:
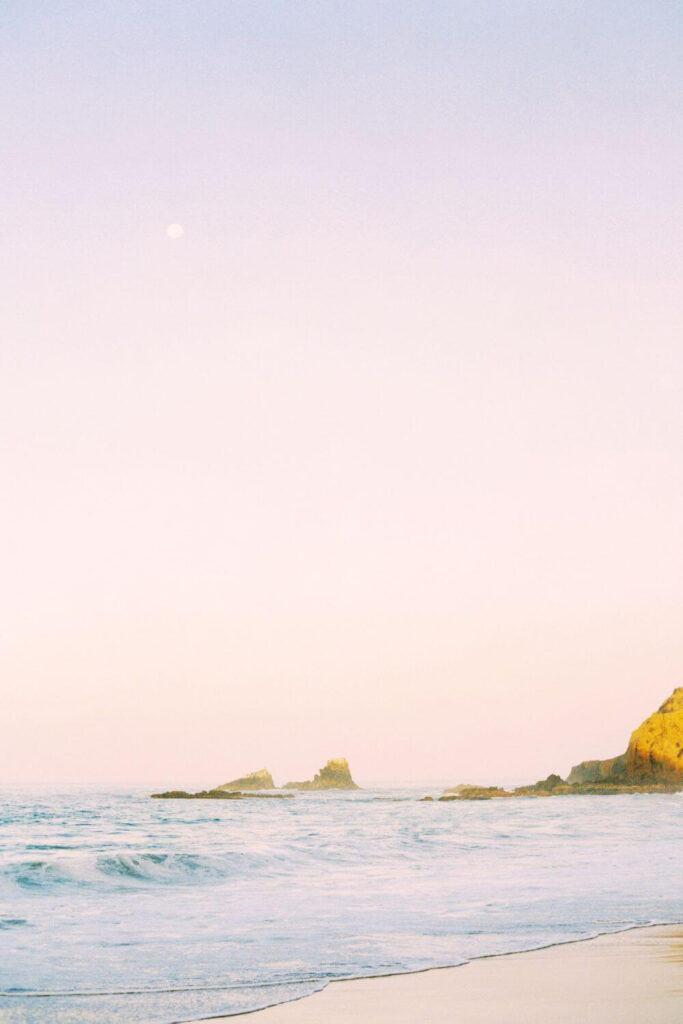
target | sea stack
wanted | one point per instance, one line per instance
(261, 779)
(335, 775)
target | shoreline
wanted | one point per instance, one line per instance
(622, 977)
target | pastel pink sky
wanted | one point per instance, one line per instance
(383, 457)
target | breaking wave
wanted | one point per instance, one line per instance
(143, 912)
(125, 868)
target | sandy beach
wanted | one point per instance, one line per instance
(633, 977)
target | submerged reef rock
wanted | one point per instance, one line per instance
(261, 779)
(335, 775)
(543, 789)
(474, 793)
(218, 794)
(654, 754)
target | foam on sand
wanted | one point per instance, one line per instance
(623, 978)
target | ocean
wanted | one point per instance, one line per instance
(120, 909)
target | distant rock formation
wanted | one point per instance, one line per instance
(335, 775)
(261, 779)
(218, 794)
(654, 753)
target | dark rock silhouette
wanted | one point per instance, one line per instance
(218, 794)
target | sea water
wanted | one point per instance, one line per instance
(118, 908)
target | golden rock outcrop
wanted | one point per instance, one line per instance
(652, 763)
(655, 749)
(654, 753)
(335, 775)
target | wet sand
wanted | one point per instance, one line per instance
(634, 977)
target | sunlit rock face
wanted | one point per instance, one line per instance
(261, 779)
(656, 747)
(653, 763)
(655, 751)
(335, 775)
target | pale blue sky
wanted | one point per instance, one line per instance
(436, 122)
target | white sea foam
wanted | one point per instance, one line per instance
(120, 908)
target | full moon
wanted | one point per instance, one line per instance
(174, 231)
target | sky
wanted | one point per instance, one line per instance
(382, 455)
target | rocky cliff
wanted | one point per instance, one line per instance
(335, 775)
(652, 763)
(261, 779)
(654, 753)
(655, 749)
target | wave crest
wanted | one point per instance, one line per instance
(125, 868)
(162, 867)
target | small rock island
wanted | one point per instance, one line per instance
(335, 775)
(261, 779)
(652, 763)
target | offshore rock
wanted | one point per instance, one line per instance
(335, 775)
(261, 779)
